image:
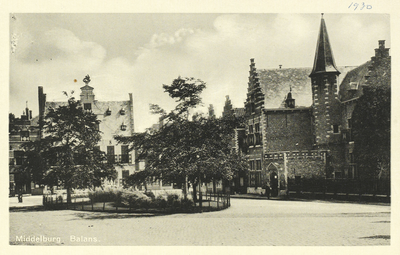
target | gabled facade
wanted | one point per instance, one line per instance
(286, 141)
(375, 72)
(21, 130)
(116, 118)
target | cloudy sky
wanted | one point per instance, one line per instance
(138, 53)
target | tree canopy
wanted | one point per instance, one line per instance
(198, 149)
(67, 155)
(371, 132)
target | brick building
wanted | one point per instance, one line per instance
(116, 118)
(290, 141)
(21, 130)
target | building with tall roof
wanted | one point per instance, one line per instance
(116, 118)
(284, 140)
(21, 130)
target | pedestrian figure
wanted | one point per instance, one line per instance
(267, 190)
(20, 196)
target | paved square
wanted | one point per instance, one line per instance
(248, 222)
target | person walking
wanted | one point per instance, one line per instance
(267, 190)
(20, 195)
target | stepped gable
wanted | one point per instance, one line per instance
(373, 73)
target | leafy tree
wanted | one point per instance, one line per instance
(67, 154)
(371, 132)
(198, 149)
(186, 91)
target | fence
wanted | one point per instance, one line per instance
(208, 202)
(349, 189)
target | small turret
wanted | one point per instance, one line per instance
(290, 102)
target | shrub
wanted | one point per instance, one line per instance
(173, 200)
(187, 203)
(108, 194)
(134, 199)
(150, 194)
(138, 200)
(160, 202)
(144, 202)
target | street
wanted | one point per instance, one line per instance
(248, 222)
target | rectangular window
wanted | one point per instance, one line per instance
(19, 157)
(335, 129)
(349, 123)
(241, 181)
(252, 179)
(257, 127)
(124, 154)
(258, 184)
(252, 165)
(258, 164)
(350, 173)
(258, 139)
(250, 139)
(110, 154)
(87, 106)
(250, 129)
(351, 156)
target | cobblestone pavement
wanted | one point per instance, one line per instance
(246, 223)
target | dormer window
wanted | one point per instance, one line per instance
(123, 127)
(122, 111)
(353, 86)
(108, 112)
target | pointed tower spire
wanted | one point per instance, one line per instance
(324, 61)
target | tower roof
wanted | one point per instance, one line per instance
(324, 61)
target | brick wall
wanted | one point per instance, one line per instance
(288, 130)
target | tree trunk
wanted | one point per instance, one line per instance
(69, 195)
(194, 192)
(185, 187)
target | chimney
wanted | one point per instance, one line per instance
(30, 114)
(381, 44)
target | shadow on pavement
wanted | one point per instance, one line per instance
(28, 209)
(385, 237)
(112, 215)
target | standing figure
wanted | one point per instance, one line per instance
(268, 190)
(20, 195)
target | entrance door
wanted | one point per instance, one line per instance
(274, 184)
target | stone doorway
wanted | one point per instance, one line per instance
(273, 177)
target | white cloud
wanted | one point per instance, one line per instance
(219, 55)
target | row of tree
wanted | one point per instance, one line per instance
(182, 150)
